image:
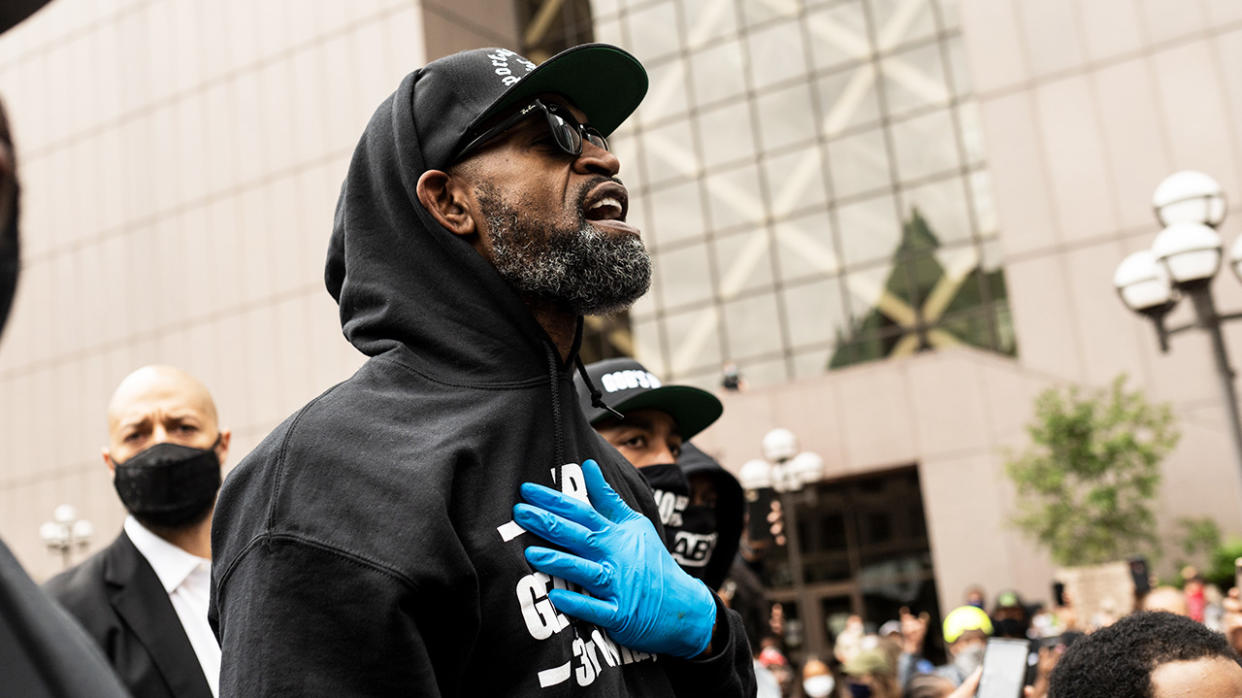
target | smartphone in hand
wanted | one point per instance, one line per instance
(1004, 668)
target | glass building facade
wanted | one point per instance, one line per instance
(811, 181)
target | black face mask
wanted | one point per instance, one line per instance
(860, 690)
(696, 541)
(1010, 627)
(672, 493)
(168, 485)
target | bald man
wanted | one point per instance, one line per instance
(144, 598)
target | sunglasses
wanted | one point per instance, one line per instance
(566, 130)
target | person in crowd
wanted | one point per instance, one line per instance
(912, 633)
(849, 641)
(712, 524)
(975, 596)
(742, 591)
(144, 598)
(1194, 590)
(1165, 598)
(966, 631)
(766, 683)
(817, 680)
(1010, 617)
(870, 673)
(1231, 619)
(773, 660)
(446, 521)
(1149, 655)
(928, 686)
(43, 652)
(649, 423)
(890, 631)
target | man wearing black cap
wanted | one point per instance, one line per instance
(651, 424)
(391, 536)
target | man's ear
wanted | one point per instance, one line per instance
(222, 448)
(107, 459)
(448, 199)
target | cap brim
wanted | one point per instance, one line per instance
(693, 409)
(605, 82)
(13, 12)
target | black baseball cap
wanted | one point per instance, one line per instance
(456, 96)
(627, 386)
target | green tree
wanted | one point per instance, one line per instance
(1086, 483)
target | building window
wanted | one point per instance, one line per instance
(826, 158)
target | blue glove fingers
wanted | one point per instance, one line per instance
(591, 576)
(563, 505)
(551, 527)
(583, 607)
(605, 499)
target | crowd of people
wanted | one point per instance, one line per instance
(475, 511)
(1114, 654)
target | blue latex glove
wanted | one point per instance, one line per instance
(638, 593)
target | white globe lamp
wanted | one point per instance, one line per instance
(755, 475)
(780, 445)
(1189, 197)
(1143, 283)
(1190, 252)
(806, 467)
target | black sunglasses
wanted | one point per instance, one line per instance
(566, 130)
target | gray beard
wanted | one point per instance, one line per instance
(584, 270)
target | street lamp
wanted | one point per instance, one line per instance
(1184, 258)
(65, 532)
(784, 470)
(1189, 197)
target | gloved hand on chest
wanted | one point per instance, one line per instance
(638, 593)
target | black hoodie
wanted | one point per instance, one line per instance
(366, 547)
(729, 511)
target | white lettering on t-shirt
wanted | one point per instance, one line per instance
(542, 618)
(591, 655)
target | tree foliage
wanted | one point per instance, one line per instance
(1086, 484)
(1220, 570)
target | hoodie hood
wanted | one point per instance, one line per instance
(729, 510)
(400, 278)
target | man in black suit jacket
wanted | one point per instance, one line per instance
(144, 597)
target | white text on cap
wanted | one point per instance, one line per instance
(632, 378)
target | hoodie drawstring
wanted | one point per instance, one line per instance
(597, 398)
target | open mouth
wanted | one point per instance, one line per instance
(607, 202)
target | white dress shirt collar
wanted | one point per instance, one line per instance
(171, 564)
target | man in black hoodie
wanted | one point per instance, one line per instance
(650, 423)
(376, 542)
(712, 530)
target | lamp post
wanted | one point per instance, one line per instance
(784, 470)
(1184, 258)
(65, 532)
